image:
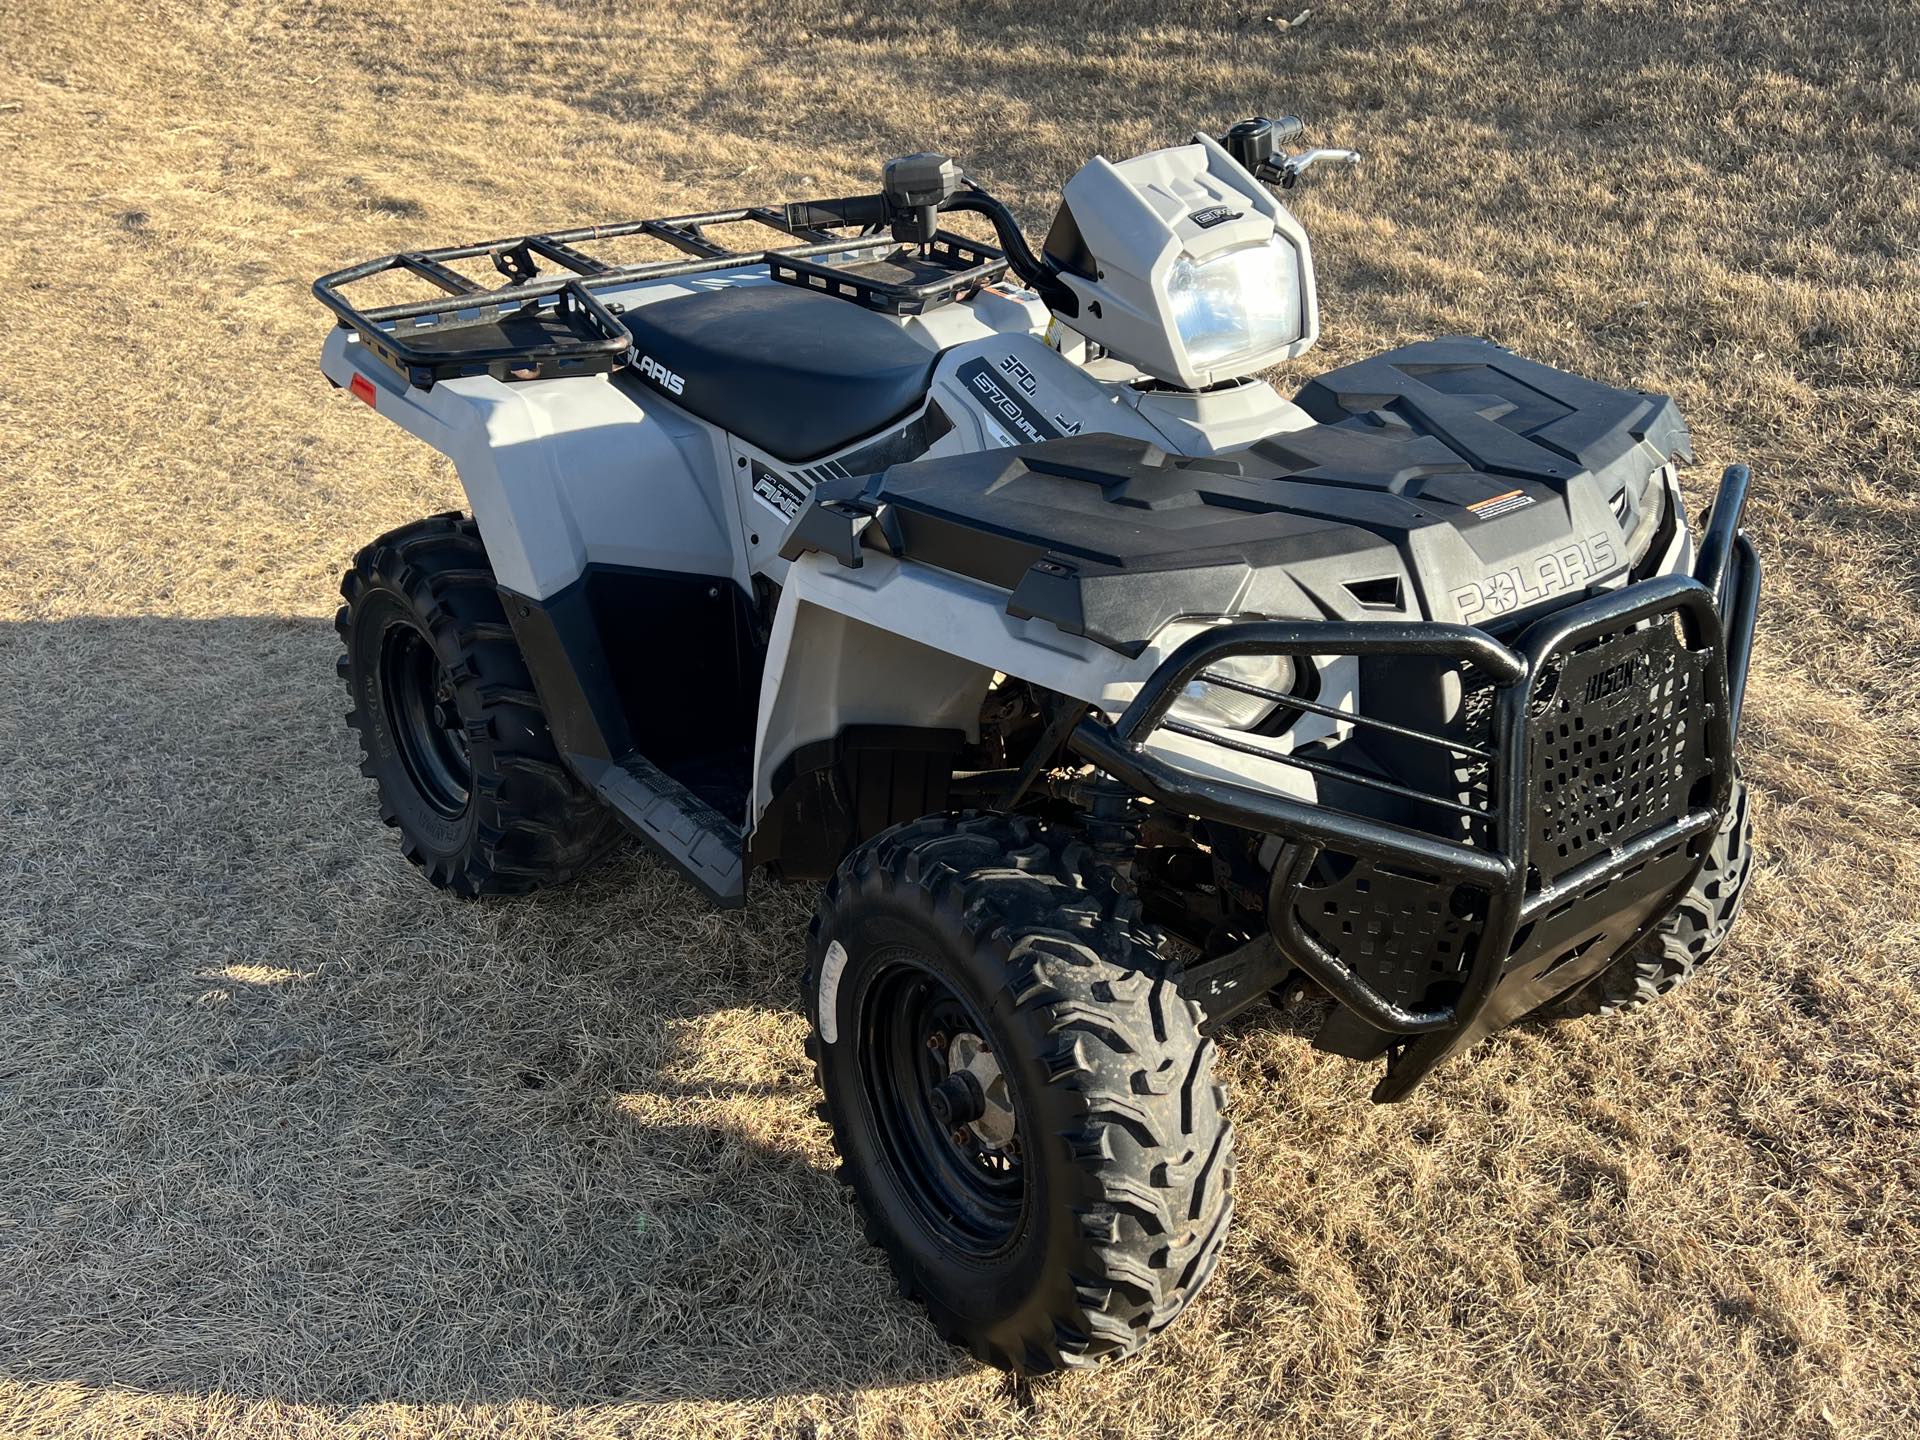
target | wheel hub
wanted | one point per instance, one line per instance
(957, 1100)
(972, 1069)
(942, 1111)
(424, 718)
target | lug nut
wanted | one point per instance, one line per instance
(937, 1041)
(962, 1139)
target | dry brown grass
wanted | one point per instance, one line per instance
(291, 1145)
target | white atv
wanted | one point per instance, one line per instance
(994, 589)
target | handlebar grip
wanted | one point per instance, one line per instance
(853, 210)
(1254, 142)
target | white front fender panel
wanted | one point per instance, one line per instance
(893, 644)
(900, 644)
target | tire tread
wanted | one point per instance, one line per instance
(536, 824)
(1155, 1153)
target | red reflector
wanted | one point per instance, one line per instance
(362, 388)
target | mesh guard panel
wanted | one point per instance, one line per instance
(1403, 931)
(1618, 744)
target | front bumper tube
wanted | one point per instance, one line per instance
(1717, 608)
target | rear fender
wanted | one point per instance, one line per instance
(565, 473)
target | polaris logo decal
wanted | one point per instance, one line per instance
(661, 375)
(1217, 215)
(1000, 400)
(1519, 586)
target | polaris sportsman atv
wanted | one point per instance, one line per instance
(1108, 690)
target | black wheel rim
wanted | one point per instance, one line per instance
(968, 1190)
(426, 724)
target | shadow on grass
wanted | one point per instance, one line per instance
(281, 1121)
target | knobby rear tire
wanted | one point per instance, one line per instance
(526, 820)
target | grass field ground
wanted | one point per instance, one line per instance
(291, 1145)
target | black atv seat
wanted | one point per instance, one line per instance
(794, 372)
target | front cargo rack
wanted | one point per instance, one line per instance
(540, 326)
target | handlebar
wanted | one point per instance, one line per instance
(1253, 142)
(1290, 168)
(850, 210)
(917, 188)
(1038, 273)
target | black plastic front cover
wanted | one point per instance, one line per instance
(1446, 480)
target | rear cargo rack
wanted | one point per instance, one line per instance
(539, 326)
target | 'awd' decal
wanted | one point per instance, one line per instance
(1521, 585)
(999, 396)
(661, 376)
(782, 494)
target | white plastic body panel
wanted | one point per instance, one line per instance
(1215, 421)
(904, 644)
(1018, 390)
(1007, 308)
(562, 474)
(566, 473)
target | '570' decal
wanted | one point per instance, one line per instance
(1004, 397)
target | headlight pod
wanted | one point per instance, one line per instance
(1243, 302)
(1203, 704)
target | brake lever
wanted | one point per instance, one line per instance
(1287, 170)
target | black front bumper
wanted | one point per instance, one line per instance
(1546, 864)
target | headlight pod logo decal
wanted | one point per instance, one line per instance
(1217, 215)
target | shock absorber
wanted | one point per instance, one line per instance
(1113, 823)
